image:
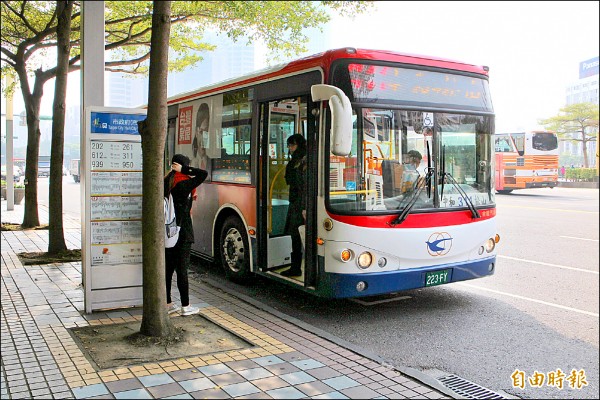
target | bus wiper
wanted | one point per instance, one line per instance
(429, 171)
(443, 170)
(413, 197)
(461, 191)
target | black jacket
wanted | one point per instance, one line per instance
(182, 200)
(295, 177)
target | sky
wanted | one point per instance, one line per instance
(533, 49)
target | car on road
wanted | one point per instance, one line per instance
(17, 173)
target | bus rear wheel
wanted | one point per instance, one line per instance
(505, 191)
(234, 250)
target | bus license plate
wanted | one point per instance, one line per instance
(437, 277)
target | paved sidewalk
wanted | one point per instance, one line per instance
(40, 359)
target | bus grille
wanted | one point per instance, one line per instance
(545, 162)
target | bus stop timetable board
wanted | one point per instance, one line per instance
(112, 186)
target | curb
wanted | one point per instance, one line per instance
(579, 185)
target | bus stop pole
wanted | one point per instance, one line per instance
(10, 183)
(92, 94)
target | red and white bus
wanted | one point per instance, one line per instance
(374, 224)
(526, 160)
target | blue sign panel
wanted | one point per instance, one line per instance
(350, 186)
(588, 68)
(115, 123)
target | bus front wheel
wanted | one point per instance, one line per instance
(505, 191)
(234, 250)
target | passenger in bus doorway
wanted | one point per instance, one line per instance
(295, 177)
(181, 182)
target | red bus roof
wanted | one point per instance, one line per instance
(323, 61)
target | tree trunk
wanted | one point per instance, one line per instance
(32, 109)
(586, 162)
(155, 319)
(56, 237)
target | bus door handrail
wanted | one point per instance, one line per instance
(344, 192)
(270, 199)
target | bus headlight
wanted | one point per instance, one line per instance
(365, 260)
(382, 262)
(490, 244)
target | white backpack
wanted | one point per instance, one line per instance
(171, 228)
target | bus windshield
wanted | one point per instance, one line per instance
(394, 149)
(544, 141)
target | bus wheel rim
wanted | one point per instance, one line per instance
(233, 250)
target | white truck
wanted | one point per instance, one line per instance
(74, 168)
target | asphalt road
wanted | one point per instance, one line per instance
(537, 314)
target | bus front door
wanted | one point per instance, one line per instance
(280, 120)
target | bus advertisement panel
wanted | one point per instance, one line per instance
(399, 189)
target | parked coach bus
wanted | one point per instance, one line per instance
(44, 166)
(375, 224)
(526, 160)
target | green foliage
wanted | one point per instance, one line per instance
(16, 185)
(29, 29)
(577, 123)
(580, 119)
(581, 174)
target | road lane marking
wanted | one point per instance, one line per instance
(579, 238)
(550, 209)
(549, 265)
(516, 296)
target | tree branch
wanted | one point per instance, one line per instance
(20, 14)
(128, 62)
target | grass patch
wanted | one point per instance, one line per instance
(40, 257)
(7, 226)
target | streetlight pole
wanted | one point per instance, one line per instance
(10, 183)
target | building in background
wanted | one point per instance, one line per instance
(124, 90)
(233, 59)
(584, 90)
(228, 60)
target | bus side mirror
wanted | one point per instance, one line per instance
(341, 117)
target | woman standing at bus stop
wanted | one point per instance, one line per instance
(295, 177)
(181, 182)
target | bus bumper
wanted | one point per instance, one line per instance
(531, 185)
(346, 285)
